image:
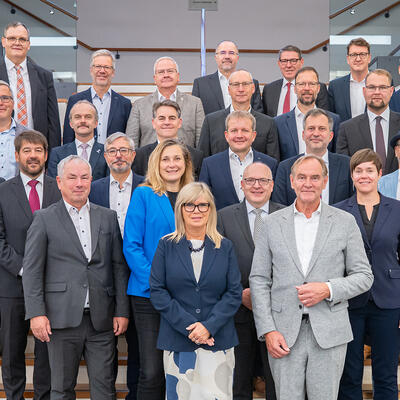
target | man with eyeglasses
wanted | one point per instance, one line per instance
(213, 89)
(83, 119)
(279, 96)
(166, 77)
(240, 223)
(241, 88)
(112, 108)
(375, 128)
(346, 93)
(290, 125)
(35, 100)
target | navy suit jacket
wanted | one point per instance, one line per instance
(216, 172)
(394, 104)
(383, 252)
(96, 160)
(340, 182)
(208, 89)
(288, 138)
(120, 109)
(100, 190)
(181, 300)
(339, 97)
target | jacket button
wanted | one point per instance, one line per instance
(85, 286)
(197, 310)
(300, 306)
(197, 289)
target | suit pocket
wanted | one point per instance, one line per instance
(341, 305)
(394, 273)
(55, 287)
(276, 306)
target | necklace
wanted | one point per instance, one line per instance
(193, 250)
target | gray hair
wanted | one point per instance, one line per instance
(227, 41)
(96, 115)
(165, 58)
(314, 112)
(73, 157)
(309, 157)
(4, 83)
(110, 139)
(15, 24)
(239, 70)
(102, 52)
(241, 115)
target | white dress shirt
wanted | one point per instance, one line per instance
(89, 149)
(252, 216)
(8, 165)
(12, 78)
(357, 100)
(162, 98)
(237, 169)
(325, 192)
(231, 109)
(39, 186)
(120, 199)
(223, 81)
(299, 124)
(385, 126)
(103, 110)
(293, 96)
(81, 221)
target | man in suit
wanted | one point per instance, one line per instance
(300, 288)
(290, 125)
(394, 103)
(9, 129)
(75, 294)
(35, 104)
(166, 78)
(83, 119)
(239, 223)
(279, 97)
(20, 197)
(346, 93)
(223, 172)
(241, 89)
(113, 109)
(213, 89)
(374, 128)
(166, 123)
(317, 134)
(114, 191)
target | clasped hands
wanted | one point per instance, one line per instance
(199, 334)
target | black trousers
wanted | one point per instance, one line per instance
(133, 367)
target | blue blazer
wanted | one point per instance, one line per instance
(339, 97)
(340, 182)
(120, 108)
(181, 300)
(216, 172)
(288, 138)
(387, 185)
(148, 219)
(96, 160)
(394, 104)
(383, 253)
(100, 190)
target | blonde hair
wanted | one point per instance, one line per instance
(190, 193)
(153, 177)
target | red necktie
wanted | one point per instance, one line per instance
(286, 103)
(34, 201)
(379, 141)
(22, 115)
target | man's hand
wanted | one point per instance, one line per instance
(40, 327)
(199, 334)
(246, 299)
(120, 325)
(276, 344)
(312, 293)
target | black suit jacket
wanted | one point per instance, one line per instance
(355, 134)
(339, 97)
(272, 92)
(340, 182)
(141, 161)
(45, 113)
(208, 89)
(15, 219)
(212, 137)
(120, 108)
(233, 223)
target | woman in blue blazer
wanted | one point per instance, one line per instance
(195, 285)
(150, 216)
(377, 312)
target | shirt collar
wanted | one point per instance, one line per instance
(325, 157)
(385, 115)
(10, 65)
(221, 76)
(162, 98)
(316, 212)
(285, 81)
(353, 80)
(69, 207)
(234, 156)
(298, 112)
(26, 178)
(90, 143)
(94, 94)
(231, 109)
(264, 207)
(11, 129)
(128, 180)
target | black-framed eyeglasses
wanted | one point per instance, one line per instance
(261, 181)
(13, 39)
(224, 53)
(6, 99)
(289, 60)
(202, 207)
(124, 151)
(106, 68)
(302, 85)
(381, 88)
(237, 84)
(363, 55)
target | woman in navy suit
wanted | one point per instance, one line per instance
(195, 285)
(150, 216)
(377, 312)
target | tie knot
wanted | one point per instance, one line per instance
(378, 118)
(84, 146)
(33, 183)
(258, 211)
(288, 85)
(17, 67)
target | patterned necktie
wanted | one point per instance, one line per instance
(22, 115)
(379, 141)
(258, 224)
(34, 201)
(84, 154)
(286, 103)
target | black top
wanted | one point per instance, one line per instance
(369, 223)
(172, 198)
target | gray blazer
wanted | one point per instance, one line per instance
(57, 273)
(338, 257)
(140, 129)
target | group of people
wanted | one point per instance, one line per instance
(203, 228)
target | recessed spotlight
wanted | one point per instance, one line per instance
(352, 11)
(51, 12)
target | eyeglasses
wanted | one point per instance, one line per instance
(124, 151)
(168, 71)
(202, 207)
(226, 53)
(302, 85)
(6, 99)
(285, 61)
(238, 84)
(362, 55)
(106, 68)
(380, 88)
(13, 40)
(261, 181)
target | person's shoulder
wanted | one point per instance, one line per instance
(97, 184)
(339, 81)
(189, 98)
(228, 210)
(395, 204)
(342, 158)
(120, 97)
(39, 69)
(277, 82)
(204, 78)
(216, 157)
(261, 117)
(216, 115)
(354, 121)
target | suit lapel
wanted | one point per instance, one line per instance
(333, 176)
(95, 221)
(34, 82)
(216, 89)
(20, 195)
(292, 128)
(243, 221)
(50, 192)
(355, 211)
(365, 140)
(184, 255)
(394, 126)
(226, 170)
(166, 209)
(114, 105)
(208, 258)
(3, 71)
(276, 93)
(383, 214)
(94, 155)
(346, 95)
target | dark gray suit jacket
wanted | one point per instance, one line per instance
(57, 273)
